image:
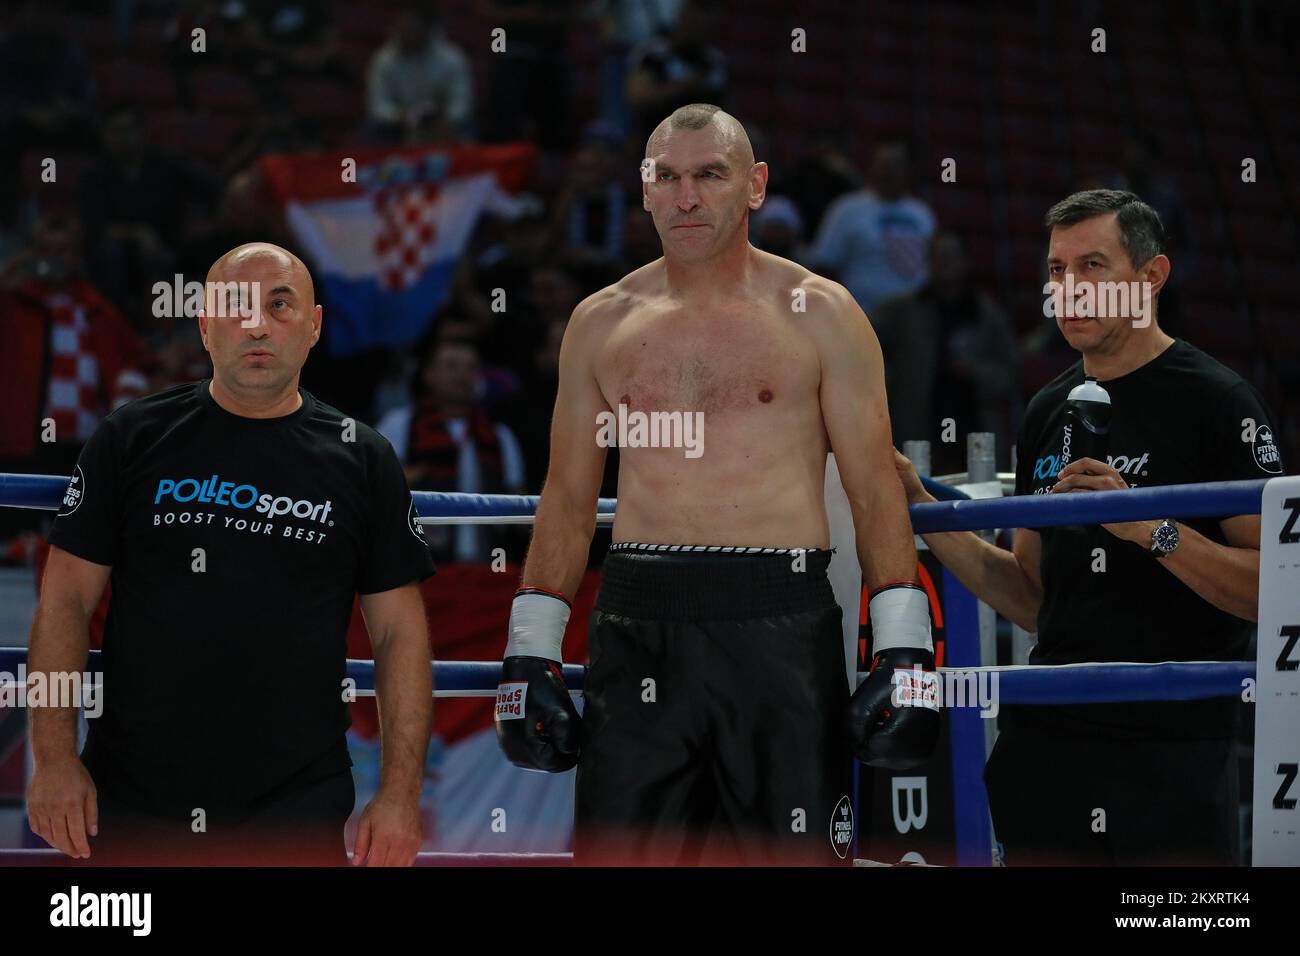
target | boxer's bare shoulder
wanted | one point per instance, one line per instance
(812, 302)
(833, 320)
(599, 314)
(827, 302)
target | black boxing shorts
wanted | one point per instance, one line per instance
(714, 712)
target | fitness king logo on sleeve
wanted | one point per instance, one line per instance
(259, 508)
(73, 494)
(1266, 454)
(413, 522)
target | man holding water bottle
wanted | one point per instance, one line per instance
(1145, 782)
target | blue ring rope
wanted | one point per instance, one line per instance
(1217, 499)
(1023, 684)
(1084, 683)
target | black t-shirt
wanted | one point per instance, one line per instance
(1176, 420)
(237, 546)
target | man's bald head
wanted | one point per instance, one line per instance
(259, 322)
(229, 267)
(732, 138)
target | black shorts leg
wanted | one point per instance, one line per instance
(777, 694)
(714, 720)
(643, 793)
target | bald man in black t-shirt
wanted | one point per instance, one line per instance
(237, 518)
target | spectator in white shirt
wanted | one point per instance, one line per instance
(875, 241)
(419, 85)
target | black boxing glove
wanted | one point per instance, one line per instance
(894, 714)
(537, 725)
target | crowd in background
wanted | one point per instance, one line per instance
(158, 176)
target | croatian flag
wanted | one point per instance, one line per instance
(383, 229)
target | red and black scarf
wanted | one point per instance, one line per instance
(430, 447)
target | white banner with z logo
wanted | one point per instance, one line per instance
(1276, 830)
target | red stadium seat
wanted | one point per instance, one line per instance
(958, 206)
(882, 118)
(1163, 112)
(69, 167)
(1203, 51)
(954, 87)
(1037, 370)
(955, 23)
(1027, 129)
(172, 128)
(139, 83)
(1232, 115)
(1154, 76)
(1269, 282)
(1280, 330)
(1029, 262)
(1219, 329)
(957, 128)
(1207, 284)
(1025, 212)
(881, 77)
(1038, 173)
(954, 53)
(223, 90)
(325, 99)
(1262, 235)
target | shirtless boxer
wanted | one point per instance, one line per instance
(718, 723)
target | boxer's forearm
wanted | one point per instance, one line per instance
(404, 694)
(1225, 576)
(557, 554)
(883, 531)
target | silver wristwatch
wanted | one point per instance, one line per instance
(1164, 539)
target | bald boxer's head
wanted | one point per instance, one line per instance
(700, 181)
(260, 319)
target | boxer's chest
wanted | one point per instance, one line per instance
(732, 360)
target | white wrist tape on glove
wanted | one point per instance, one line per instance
(900, 617)
(537, 622)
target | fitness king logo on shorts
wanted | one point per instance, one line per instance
(261, 508)
(842, 827)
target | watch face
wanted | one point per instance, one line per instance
(1165, 539)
